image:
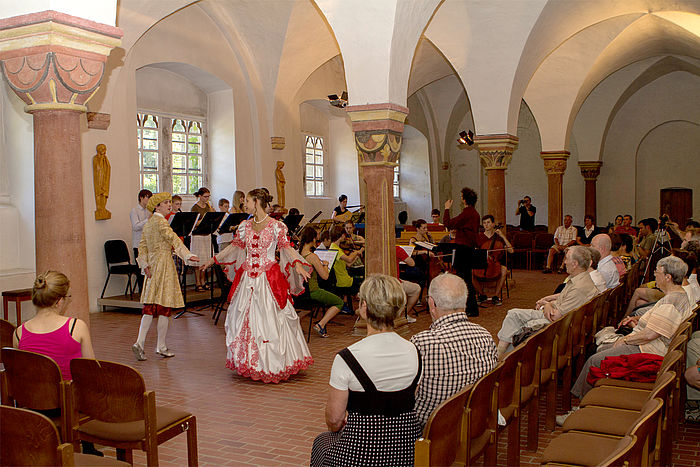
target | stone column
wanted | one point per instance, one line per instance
(378, 135)
(590, 171)
(495, 152)
(555, 166)
(55, 62)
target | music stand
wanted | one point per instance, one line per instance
(182, 223)
(357, 217)
(208, 224)
(232, 222)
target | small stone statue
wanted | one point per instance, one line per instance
(279, 177)
(101, 172)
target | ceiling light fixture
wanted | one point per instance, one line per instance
(340, 102)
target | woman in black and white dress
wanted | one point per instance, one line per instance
(370, 409)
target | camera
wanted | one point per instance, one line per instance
(663, 219)
(522, 201)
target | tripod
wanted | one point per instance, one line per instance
(660, 241)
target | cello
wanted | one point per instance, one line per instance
(493, 268)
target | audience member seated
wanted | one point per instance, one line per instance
(692, 377)
(577, 291)
(435, 216)
(308, 241)
(653, 331)
(49, 332)
(454, 351)
(616, 223)
(691, 289)
(411, 289)
(621, 251)
(606, 266)
(370, 404)
(596, 276)
(490, 236)
(344, 282)
(586, 233)
(626, 227)
(693, 247)
(647, 237)
(564, 237)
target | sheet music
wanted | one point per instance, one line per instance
(327, 255)
(408, 249)
(426, 245)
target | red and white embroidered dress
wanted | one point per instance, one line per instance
(264, 339)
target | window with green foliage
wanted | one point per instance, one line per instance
(313, 165)
(172, 153)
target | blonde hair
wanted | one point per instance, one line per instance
(385, 299)
(49, 288)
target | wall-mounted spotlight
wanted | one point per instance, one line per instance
(340, 102)
(466, 137)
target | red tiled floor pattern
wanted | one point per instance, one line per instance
(242, 422)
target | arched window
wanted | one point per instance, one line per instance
(313, 166)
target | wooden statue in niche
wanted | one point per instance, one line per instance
(279, 177)
(101, 172)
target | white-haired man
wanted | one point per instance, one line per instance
(578, 290)
(454, 351)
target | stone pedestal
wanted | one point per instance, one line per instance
(495, 152)
(378, 136)
(590, 171)
(554, 166)
(55, 62)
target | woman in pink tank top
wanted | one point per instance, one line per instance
(49, 332)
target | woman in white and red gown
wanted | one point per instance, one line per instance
(264, 340)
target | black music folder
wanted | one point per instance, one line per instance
(209, 223)
(232, 222)
(182, 223)
(292, 222)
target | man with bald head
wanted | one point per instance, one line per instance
(606, 266)
(454, 351)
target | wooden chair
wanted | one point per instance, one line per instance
(522, 244)
(576, 448)
(619, 457)
(123, 413)
(7, 329)
(33, 381)
(530, 388)
(608, 419)
(564, 357)
(548, 357)
(480, 422)
(439, 444)
(541, 244)
(30, 438)
(509, 404)
(577, 343)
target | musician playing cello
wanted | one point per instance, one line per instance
(491, 239)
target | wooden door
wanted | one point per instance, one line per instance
(678, 204)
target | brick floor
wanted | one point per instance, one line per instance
(242, 422)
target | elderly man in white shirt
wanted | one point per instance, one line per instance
(606, 266)
(564, 237)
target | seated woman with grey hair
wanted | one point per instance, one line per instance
(652, 331)
(369, 411)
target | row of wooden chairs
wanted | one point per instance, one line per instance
(531, 369)
(105, 403)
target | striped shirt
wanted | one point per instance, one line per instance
(455, 353)
(564, 235)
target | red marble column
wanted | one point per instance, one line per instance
(378, 136)
(555, 166)
(495, 152)
(55, 62)
(590, 171)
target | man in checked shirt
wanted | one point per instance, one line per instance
(454, 351)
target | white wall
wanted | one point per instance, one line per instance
(160, 90)
(415, 179)
(222, 145)
(313, 122)
(345, 178)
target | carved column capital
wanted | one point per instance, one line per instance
(378, 132)
(54, 61)
(496, 151)
(590, 170)
(555, 161)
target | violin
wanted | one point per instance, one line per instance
(493, 268)
(348, 246)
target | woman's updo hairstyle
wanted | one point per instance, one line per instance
(261, 195)
(202, 191)
(49, 288)
(385, 299)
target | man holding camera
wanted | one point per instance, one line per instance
(526, 211)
